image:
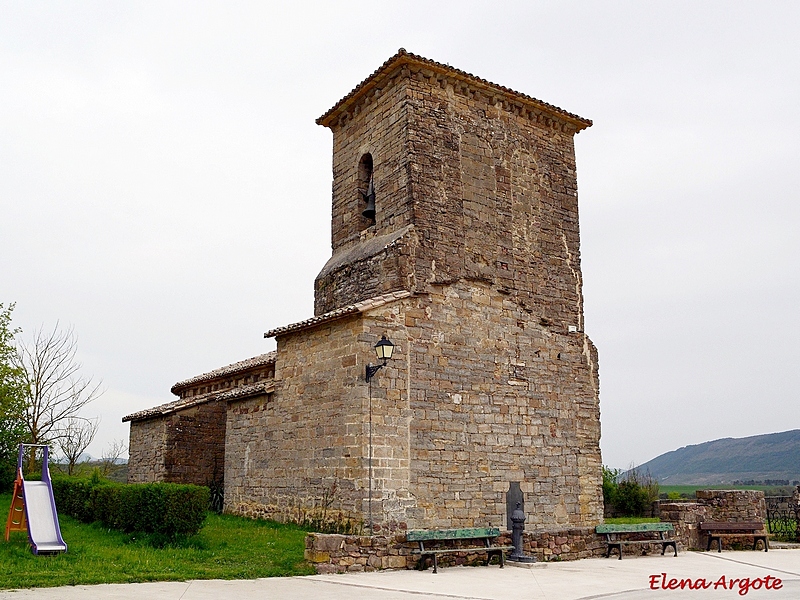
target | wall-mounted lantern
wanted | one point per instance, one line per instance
(383, 350)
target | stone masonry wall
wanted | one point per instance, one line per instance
(727, 506)
(685, 518)
(195, 444)
(504, 179)
(185, 446)
(303, 454)
(146, 450)
(184, 441)
(497, 398)
(733, 505)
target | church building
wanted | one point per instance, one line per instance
(455, 237)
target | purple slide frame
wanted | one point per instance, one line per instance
(41, 509)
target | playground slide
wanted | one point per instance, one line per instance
(41, 517)
(40, 512)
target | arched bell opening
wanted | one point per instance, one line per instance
(366, 189)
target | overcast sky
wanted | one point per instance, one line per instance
(165, 191)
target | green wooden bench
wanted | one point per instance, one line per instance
(717, 531)
(615, 536)
(438, 537)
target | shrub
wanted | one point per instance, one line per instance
(8, 472)
(610, 485)
(630, 494)
(166, 509)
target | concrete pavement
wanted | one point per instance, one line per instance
(596, 578)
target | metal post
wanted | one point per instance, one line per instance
(369, 508)
(518, 520)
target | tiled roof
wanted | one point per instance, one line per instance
(169, 407)
(245, 391)
(232, 369)
(403, 57)
(352, 309)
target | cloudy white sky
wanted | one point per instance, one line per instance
(165, 190)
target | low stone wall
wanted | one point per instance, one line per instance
(554, 545)
(334, 553)
(717, 506)
(685, 518)
(733, 505)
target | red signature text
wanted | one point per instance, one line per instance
(741, 584)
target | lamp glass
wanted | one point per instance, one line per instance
(384, 348)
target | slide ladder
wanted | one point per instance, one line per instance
(34, 508)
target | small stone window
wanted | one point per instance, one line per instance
(366, 189)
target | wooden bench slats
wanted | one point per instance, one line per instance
(717, 531)
(731, 526)
(426, 535)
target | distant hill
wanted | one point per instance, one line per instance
(774, 456)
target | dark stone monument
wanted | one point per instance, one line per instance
(514, 498)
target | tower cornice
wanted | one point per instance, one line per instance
(405, 64)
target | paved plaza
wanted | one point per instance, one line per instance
(727, 575)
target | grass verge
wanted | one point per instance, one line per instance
(631, 520)
(226, 548)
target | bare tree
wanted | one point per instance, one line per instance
(74, 438)
(55, 391)
(111, 456)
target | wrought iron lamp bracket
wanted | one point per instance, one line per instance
(372, 369)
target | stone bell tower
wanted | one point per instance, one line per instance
(471, 181)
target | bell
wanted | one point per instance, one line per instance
(369, 197)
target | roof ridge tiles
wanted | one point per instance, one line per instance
(231, 369)
(403, 56)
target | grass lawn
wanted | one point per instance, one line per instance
(226, 548)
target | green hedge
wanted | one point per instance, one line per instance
(164, 508)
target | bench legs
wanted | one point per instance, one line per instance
(423, 562)
(664, 546)
(498, 553)
(423, 559)
(617, 545)
(718, 538)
